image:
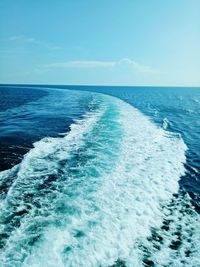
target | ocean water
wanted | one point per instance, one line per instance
(99, 176)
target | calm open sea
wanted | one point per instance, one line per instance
(99, 176)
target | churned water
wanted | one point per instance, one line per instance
(99, 176)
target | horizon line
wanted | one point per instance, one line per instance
(98, 85)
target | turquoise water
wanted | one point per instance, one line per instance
(103, 181)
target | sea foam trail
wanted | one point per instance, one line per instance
(93, 196)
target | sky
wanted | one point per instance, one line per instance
(100, 42)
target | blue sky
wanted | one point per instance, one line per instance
(106, 42)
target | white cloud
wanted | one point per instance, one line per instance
(136, 66)
(122, 63)
(16, 37)
(81, 64)
(31, 40)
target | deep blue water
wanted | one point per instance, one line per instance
(89, 180)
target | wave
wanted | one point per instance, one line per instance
(95, 195)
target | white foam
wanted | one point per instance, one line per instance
(165, 123)
(38, 163)
(124, 207)
(180, 236)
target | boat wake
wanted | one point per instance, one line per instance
(104, 194)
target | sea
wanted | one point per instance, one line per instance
(99, 176)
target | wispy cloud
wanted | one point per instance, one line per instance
(136, 66)
(125, 62)
(81, 64)
(34, 41)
